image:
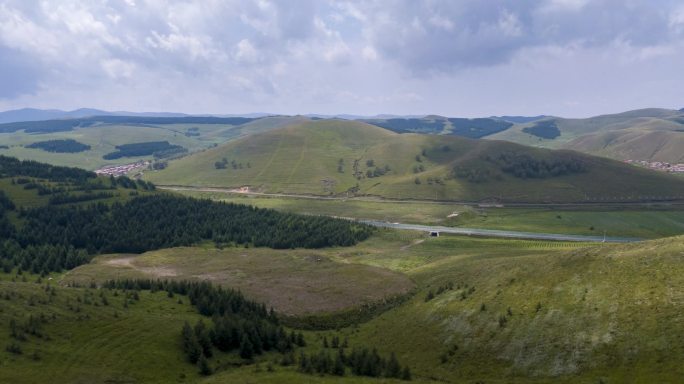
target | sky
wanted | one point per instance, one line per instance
(466, 58)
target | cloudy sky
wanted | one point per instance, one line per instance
(570, 58)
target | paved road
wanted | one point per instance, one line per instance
(500, 233)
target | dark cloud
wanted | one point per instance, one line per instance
(446, 35)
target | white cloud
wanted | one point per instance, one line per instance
(340, 56)
(118, 69)
(246, 52)
(441, 22)
(369, 53)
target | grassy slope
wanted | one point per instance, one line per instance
(647, 134)
(104, 138)
(89, 342)
(293, 282)
(97, 343)
(607, 312)
(304, 159)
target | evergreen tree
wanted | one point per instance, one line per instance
(393, 368)
(246, 347)
(203, 365)
(338, 368)
(191, 347)
(406, 374)
(203, 338)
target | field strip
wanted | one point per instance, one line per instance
(379, 199)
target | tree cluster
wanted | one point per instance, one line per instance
(12, 167)
(525, 166)
(472, 175)
(60, 146)
(157, 148)
(478, 127)
(238, 324)
(360, 362)
(441, 289)
(152, 222)
(223, 164)
(40, 259)
(544, 129)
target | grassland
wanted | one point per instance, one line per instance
(331, 158)
(104, 138)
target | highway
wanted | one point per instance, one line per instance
(500, 233)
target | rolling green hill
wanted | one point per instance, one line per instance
(336, 157)
(103, 134)
(645, 134)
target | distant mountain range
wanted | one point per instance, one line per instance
(34, 114)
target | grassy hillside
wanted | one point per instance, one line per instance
(104, 137)
(508, 311)
(646, 134)
(335, 157)
(83, 340)
(598, 314)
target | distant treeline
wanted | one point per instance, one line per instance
(60, 146)
(11, 167)
(157, 148)
(477, 128)
(546, 129)
(520, 165)
(473, 128)
(410, 125)
(525, 166)
(62, 125)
